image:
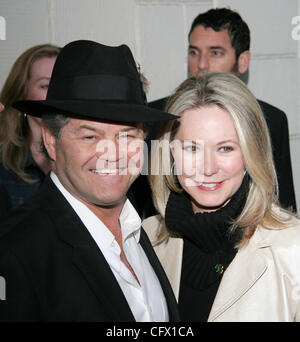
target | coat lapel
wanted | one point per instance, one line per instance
(245, 270)
(86, 255)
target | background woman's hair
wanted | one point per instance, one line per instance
(14, 130)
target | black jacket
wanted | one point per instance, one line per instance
(54, 270)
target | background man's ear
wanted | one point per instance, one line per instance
(243, 62)
(49, 143)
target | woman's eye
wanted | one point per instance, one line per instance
(226, 149)
(191, 148)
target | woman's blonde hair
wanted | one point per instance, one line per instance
(228, 93)
(14, 130)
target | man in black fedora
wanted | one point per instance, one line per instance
(76, 250)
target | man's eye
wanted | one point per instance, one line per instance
(89, 137)
(217, 53)
(127, 136)
(193, 52)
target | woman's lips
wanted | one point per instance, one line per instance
(209, 186)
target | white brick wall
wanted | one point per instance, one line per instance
(156, 31)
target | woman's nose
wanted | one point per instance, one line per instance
(210, 165)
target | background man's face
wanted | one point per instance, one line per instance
(210, 51)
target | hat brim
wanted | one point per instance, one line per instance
(94, 109)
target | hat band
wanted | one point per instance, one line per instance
(99, 87)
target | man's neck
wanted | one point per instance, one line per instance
(109, 216)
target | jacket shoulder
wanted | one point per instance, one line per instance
(22, 226)
(272, 112)
(286, 237)
(29, 222)
(283, 242)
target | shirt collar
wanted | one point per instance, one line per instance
(130, 222)
(129, 219)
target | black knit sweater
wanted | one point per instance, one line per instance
(207, 250)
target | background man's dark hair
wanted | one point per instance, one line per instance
(223, 18)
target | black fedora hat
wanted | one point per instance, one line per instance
(98, 82)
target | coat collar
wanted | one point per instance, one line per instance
(248, 266)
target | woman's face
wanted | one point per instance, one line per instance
(37, 86)
(40, 74)
(208, 158)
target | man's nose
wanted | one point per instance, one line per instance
(107, 150)
(203, 62)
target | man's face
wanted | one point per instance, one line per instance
(211, 51)
(96, 161)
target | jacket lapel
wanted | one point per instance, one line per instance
(161, 275)
(100, 278)
(169, 252)
(245, 270)
(86, 255)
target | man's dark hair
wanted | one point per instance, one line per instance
(223, 18)
(55, 123)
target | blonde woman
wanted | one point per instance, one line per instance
(230, 252)
(23, 165)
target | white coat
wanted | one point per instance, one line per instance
(262, 283)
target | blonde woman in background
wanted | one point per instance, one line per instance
(230, 252)
(23, 164)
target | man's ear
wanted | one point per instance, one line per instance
(243, 62)
(49, 143)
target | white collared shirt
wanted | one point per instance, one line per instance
(146, 300)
